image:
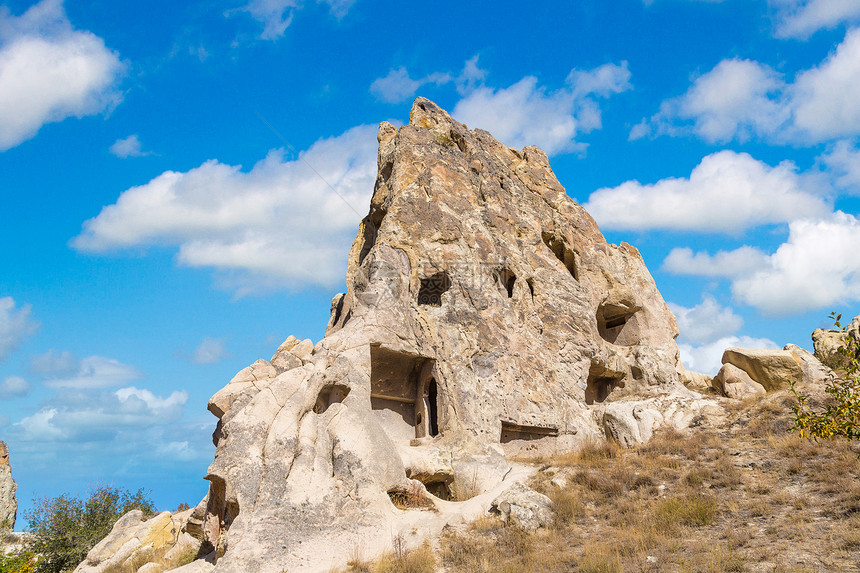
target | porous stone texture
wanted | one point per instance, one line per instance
(8, 502)
(522, 506)
(773, 369)
(732, 382)
(827, 343)
(136, 543)
(485, 316)
(814, 372)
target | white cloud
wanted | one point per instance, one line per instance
(842, 161)
(744, 99)
(49, 71)
(802, 18)
(96, 372)
(528, 114)
(737, 262)
(707, 321)
(824, 99)
(816, 268)
(277, 15)
(398, 86)
(53, 362)
(283, 223)
(101, 416)
(707, 358)
(128, 147)
(15, 326)
(727, 192)
(210, 351)
(13, 387)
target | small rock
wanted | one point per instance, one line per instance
(524, 507)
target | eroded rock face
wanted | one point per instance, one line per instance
(485, 315)
(773, 369)
(828, 342)
(8, 503)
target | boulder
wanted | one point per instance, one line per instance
(814, 372)
(695, 381)
(732, 382)
(8, 502)
(484, 313)
(524, 507)
(773, 369)
(828, 342)
(136, 542)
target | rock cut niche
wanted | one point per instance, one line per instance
(562, 252)
(618, 324)
(404, 395)
(507, 279)
(601, 382)
(331, 394)
(511, 432)
(432, 288)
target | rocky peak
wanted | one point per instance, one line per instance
(485, 317)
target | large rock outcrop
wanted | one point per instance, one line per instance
(485, 315)
(8, 503)
(827, 343)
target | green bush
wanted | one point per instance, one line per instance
(841, 416)
(17, 563)
(65, 528)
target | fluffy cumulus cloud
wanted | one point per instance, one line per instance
(707, 321)
(398, 86)
(744, 99)
(738, 262)
(802, 18)
(50, 71)
(88, 373)
(527, 113)
(53, 362)
(210, 351)
(277, 15)
(101, 416)
(842, 161)
(706, 330)
(16, 325)
(727, 192)
(283, 223)
(128, 147)
(818, 267)
(13, 387)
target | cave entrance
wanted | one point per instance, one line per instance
(618, 324)
(404, 394)
(331, 394)
(511, 432)
(601, 382)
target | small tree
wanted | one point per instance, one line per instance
(841, 415)
(65, 528)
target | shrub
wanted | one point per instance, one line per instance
(65, 528)
(17, 563)
(841, 415)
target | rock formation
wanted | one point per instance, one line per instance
(8, 503)
(485, 315)
(828, 342)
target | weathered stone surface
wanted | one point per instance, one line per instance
(828, 342)
(524, 507)
(814, 372)
(695, 381)
(136, 541)
(773, 369)
(732, 382)
(8, 502)
(484, 313)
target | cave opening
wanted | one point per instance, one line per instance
(404, 394)
(432, 288)
(562, 252)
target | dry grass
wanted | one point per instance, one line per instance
(747, 496)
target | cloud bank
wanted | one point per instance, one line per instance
(283, 223)
(50, 71)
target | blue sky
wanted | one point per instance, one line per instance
(181, 183)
